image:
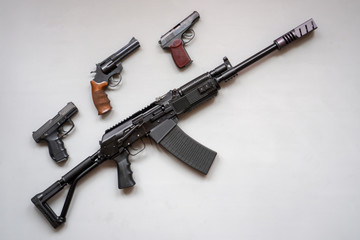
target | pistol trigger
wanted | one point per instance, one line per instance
(188, 35)
(62, 132)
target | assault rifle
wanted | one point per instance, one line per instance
(159, 122)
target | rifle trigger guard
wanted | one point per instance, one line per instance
(136, 149)
(188, 36)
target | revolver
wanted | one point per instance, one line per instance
(52, 132)
(104, 73)
(173, 39)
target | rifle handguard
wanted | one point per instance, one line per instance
(100, 98)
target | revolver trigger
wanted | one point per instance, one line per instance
(113, 82)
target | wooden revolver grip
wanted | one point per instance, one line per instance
(179, 54)
(100, 98)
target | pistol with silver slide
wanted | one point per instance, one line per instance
(173, 40)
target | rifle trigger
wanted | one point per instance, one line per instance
(136, 149)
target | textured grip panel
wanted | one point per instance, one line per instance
(57, 150)
(100, 98)
(179, 144)
(125, 178)
(179, 54)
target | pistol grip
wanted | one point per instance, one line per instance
(125, 178)
(100, 98)
(56, 148)
(179, 54)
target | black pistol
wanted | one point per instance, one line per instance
(52, 132)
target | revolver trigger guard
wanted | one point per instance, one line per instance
(62, 132)
(113, 82)
(188, 35)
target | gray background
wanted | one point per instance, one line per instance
(286, 131)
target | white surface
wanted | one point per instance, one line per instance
(286, 131)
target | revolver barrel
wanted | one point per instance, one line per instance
(110, 63)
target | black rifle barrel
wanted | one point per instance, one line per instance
(244, 64)
(294, 34)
